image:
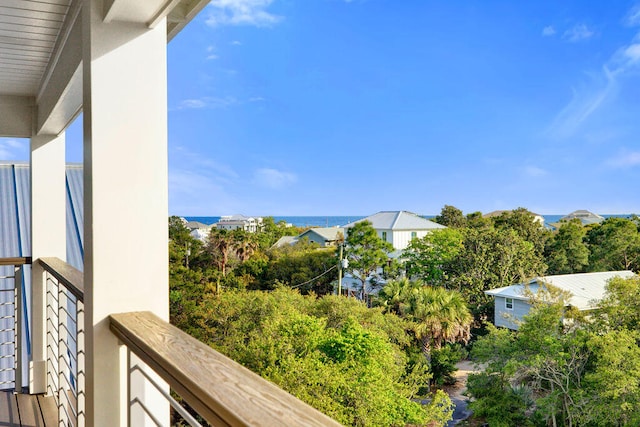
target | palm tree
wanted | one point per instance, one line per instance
(244, 244)
(221, 244)
(393, 296)
(440, 316)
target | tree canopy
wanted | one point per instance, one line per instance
(350, 362)
(366, 253)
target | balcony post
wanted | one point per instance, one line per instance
(126, 197)
(48, 239)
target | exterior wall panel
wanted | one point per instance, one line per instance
(509, 318)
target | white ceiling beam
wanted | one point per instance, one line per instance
(59, 99)
(152, 12)
(182, 14)
(162, 13)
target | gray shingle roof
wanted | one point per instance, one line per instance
(398, 220)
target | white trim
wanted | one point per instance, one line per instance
(506, 304)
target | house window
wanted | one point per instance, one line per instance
(414, 235)
(508, 303)
(384, 236)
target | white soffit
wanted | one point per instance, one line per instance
(28, 33)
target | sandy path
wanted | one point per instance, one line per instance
(465, 368)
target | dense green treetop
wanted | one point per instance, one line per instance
(566, 251)
(336, 354)
(523, 222)
(429, 258)
(614, 245)
(451, 216)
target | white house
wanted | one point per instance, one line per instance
(512, 303)
(199, 230)
(235, 222)
(399, 227)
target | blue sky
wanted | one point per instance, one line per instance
(334, 107)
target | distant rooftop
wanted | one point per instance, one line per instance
(583, 215)
(237, 217)
(328, 233)
(398, 220)
(196, 225)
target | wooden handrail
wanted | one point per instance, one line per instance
(70, 277)
(222, 391)
(15, 261)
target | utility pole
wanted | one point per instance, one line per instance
(187, 252)
(340, 271)
(342, 264)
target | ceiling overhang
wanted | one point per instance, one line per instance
(41, 56)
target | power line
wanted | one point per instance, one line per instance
(317, 277)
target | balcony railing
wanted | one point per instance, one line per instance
(12, 312)
(162, 361)
(65, 339)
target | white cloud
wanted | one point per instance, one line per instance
(208, 102)
(256, 99)
(199, 185)
(535, 171)
(12, 149)
(196, 193)
(624, 160)
(241, 12)
(603, 86)
(274, 179)
(633, 53)
(633, 17)
(578, 33)
(236, 43)
(211, 53)
(548, 31)
(192, 103)
(197, 161)
(582, 105)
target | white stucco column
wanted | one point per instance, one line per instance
(48, 239)
(126, 194)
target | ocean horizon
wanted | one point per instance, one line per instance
(341, 220)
